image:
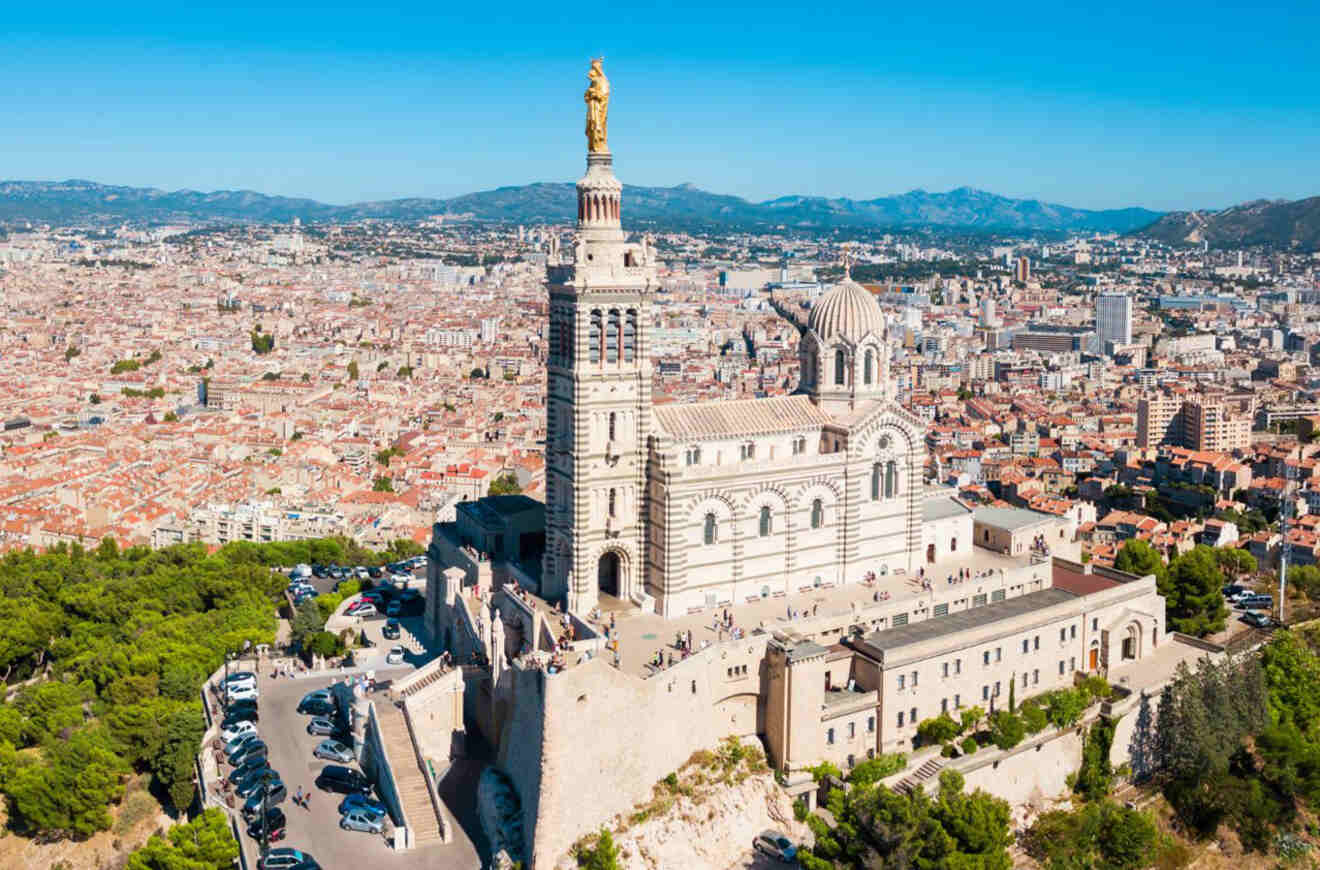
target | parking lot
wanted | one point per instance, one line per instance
(316, 829)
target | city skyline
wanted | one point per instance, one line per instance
(1141, 108)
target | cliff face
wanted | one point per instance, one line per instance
(706, 816)
(1283, 224)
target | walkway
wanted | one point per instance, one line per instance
(414, 792)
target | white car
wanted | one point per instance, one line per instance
(361, 573)
(244, 692)
(395, 656)
(238, 729)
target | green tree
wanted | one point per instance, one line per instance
(1064, 707)
(1235, 562)
(505, 484)
(1191, 590)
(262, 342)
(404, 372)
(1291, 672)
(205, 843)
(1006, 729)
(306, 620)
(69, 792)
(1140, 558)
(382, 484)
(971, 717)
(873, 770)
(1033, 716)
(353, 373)
(938, 729)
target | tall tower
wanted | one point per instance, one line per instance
(598, 393)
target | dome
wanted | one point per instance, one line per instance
(848, 311)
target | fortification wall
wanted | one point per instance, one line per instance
(1032, 775)
(582, 745)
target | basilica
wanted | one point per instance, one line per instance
(685, 506)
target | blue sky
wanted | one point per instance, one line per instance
(1165, 104)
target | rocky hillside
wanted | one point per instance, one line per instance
(86, 202)
(705, 814)
(1278, 223)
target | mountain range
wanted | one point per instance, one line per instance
(81, 202)
(1262, 222)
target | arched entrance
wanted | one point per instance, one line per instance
(607, 573)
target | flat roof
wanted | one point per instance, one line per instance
(1010, 518)
(942, 508)
(974, 617)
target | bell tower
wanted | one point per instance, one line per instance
(598, 392)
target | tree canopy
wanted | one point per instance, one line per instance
(505, 484)
(1194, 602)
(114, 647)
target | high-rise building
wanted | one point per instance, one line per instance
(1113, 319)
(1209, 424)
(1022, 270)
(1159, 420)
(987, 311)
(489, 329)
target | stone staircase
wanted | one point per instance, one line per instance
(414, 792)
(921, 776)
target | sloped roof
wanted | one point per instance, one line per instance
(741, 417)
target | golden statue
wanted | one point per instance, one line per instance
(598, 107)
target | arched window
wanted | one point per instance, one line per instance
(838, 368)
(870, 364)
(708, 533)
(614, 503)
(891, 479)
(875, 482)
(612, 336)
(593, 338)
(630, 336)
(817, 514)
(613, 416)
(765, 520)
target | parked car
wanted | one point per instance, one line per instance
(235, 743)
(322, 726)
(319, 571)
(394, 608)
(361, 820)
(375, 573)
(275, 823)
(357, 801)
(1256, 619)
(1256, 602)
(243, 771)
(363, 608)
(395, 655)
(319, 697)
(333, 750)
(237, 729)
(1232, 589)
(285, 858)
(238, 714)
(343, 780)
(275, 794)
(243, 692)
(391, 630)
(360, 572)
(775, 845)
(256, 781)
(251, 750)
(317, 707)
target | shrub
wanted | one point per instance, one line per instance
(1095, 687)
(799, 809)
(937, 730)
(947, 751)
(1006, 729)
(1033, 717)
(875, 769)
(969, 746)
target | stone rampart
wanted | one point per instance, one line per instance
(583, 744)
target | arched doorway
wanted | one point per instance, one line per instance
(607, 574)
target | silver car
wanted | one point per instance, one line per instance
(321, 726)
(775, 845)
(361, 820)
(333, 750)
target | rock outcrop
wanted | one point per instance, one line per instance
(704, 815)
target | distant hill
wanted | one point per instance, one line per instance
(69, 202)
(1263, 222)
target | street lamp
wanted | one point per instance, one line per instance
(267, 780)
